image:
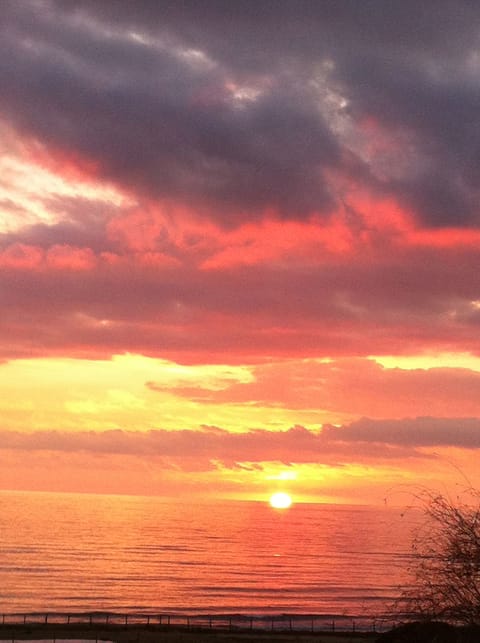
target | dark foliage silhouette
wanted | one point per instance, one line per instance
(446, 561)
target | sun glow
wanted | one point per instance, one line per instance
(280, 500)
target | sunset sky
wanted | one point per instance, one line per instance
(240, 247)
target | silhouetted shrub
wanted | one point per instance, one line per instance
(446, 562)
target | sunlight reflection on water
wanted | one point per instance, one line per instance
(73, 553)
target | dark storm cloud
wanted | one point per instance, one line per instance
(436, 100)
(146, 91)
(157, 121)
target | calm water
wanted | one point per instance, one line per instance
(65, 552)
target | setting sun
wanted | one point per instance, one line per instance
(280, 500)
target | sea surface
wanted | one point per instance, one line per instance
(75, 553)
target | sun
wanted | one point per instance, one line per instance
(280, 500)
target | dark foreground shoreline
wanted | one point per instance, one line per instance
(135, 633)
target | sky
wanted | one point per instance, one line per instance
(240, 247)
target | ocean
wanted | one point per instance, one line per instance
(77, 553)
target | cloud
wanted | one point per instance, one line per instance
(360, 442)
(150, 119)
(159, 305)
(239, 110)
(411, 432)
(77, 220)
(283, 181)
(267, 184)
(357, 387)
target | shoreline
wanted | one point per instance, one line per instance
(141, 633)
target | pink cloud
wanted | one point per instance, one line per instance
(353, 387)
(64, 257)
(182, 286)
(246, 312)
(21, 257)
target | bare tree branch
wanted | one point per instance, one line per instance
(446, 561)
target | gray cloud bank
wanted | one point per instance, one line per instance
(411, 432)
(240, 107)
(198, 450)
